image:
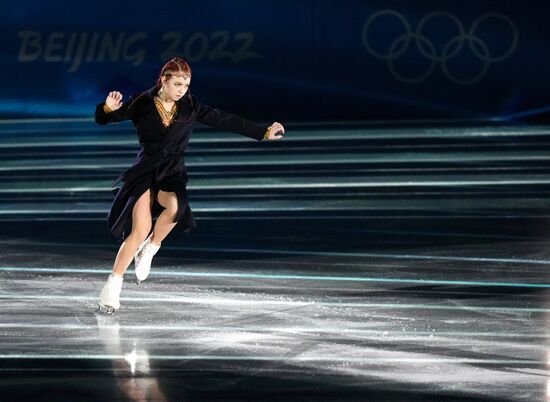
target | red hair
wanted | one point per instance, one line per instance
(177, 67)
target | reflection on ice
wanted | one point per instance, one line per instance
(131, 369)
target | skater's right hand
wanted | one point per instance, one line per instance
(114, 100)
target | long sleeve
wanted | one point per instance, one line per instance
(227, 121)
(125, 112)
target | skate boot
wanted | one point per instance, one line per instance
(137, 255)
(109, 298)
(143, 259)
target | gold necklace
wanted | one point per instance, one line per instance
(166, 116)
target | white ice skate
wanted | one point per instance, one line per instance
(137, 255)
(143, 258)
(109, 299)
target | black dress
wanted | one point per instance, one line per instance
(159, 165)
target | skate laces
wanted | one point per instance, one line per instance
(151, 248)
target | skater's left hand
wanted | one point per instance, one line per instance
(273, 130)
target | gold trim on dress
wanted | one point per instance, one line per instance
(167, 117)
(266, 135)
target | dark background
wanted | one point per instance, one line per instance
(309, 60)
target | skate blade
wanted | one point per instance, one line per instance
(138, 281)
(104, 310)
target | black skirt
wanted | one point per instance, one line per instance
(162, 171)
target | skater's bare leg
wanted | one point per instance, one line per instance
(165, 221)
(141, 226)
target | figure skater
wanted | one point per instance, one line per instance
(155, 185)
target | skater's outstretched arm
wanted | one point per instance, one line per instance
(227, 121)
(114, 109)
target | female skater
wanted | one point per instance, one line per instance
(155, 186)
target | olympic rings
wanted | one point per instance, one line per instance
(427, 48)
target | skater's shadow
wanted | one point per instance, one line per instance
(130, 364)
